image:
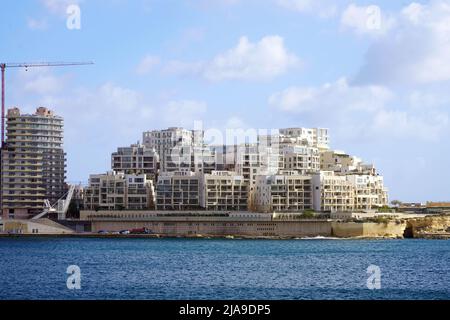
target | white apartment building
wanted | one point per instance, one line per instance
(287, 191)
(179, 190)
(135, 159)
(224, 190)
(303, 159)
(190, 158)
(225, 157)
(332, 192)
(119, 191)
(315, 137)
(164, 141)
(248, 162)
(203, 160)
(370, 192)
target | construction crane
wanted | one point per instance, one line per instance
(26, 65)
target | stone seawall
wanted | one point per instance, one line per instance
(391, 229)
(233, 228)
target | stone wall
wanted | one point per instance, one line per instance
(41, 226)
(390, 229)
(221, 228)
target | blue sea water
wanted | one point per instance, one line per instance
(35, 268)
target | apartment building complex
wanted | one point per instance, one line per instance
(170, 143)
(135, 159)
(224, 191)
(316, 137)
(178, 191)
(292, 171)
(190, 158)
(369, 191)
(287, 191)
(332, 192)
(33, 162)
(119, 191)
(303, 159)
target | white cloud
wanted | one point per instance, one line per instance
(265, 59)
(368, 112)
(366, 20)
(41, 81)
(400, 124)
(322, 8)
(147, 64)
(337, 96)
(415, 51)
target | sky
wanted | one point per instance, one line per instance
(376, 73)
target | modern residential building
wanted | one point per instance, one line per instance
(224, 190)
(343, 163)
(287, 191)
(33, 162)
(253, 160)
(332, 192)
(248, 162)
(135, 159)
(303, 159)
(315, 137)
(292, 171)
(338, 161)
(370, 192)
(179, 191)
(169, 141)
(119, 191)
(225, 157)
(190, 158)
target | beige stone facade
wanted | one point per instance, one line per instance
(119, 191)
(224, 190)
(285, 192)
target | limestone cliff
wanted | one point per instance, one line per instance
(429, 227)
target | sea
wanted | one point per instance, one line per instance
(217, 269)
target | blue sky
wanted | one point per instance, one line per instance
(377, 79)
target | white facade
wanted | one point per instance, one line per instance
(135, 159)
(119, 191)
(284, 192)
(336, 192)
(224, 190)
(370, 192)
(332, 192)
(164, 141)
(303, 159)
(315, 137)
(179, 191)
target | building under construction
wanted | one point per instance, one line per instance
(33, 163)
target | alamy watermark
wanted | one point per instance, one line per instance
(373, 21)
(73, 21)
(74, 280)
(374, 279)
